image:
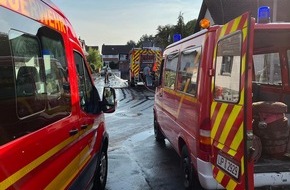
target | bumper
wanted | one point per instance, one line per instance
(205, 175)
(272, 179)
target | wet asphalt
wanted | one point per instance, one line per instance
(136, 160)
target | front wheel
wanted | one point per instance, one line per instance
(101, 172)
(157, 132)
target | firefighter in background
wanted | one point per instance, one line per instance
(147, 75)
(153, 73)
(106, 74)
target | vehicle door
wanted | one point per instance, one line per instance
(91, 119)
(231, 113)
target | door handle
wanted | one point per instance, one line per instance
(83, 127)
(73, 132)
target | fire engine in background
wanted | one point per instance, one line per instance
(141, 57)
(223, 103)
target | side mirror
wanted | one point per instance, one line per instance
(109, 100)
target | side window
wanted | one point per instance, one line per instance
(89, 96)
(55, 69)
(7, 89)
(228, 68)
(30, 92)
(34, 88)
(40, 78)
(33, 92)
(188, 71)
(170, 70)
(267, 68)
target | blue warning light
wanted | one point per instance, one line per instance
(176, 37)
(264, 14)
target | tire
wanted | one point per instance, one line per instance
(187, 169)
(190, 180)
(159, 137)
(100, 178)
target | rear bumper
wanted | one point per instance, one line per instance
(205, 175)
(207, 181)
(272, 179)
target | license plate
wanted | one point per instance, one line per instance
(228, 166)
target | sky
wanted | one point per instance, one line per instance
(115, 22)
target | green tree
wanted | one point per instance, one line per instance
(145, 38)
(131, 43)
(163, 34)
(189, 27)
(94, 58)
(180, 26)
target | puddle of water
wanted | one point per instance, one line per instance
(141, 136)
(128, 114)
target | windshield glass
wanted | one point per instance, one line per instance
(267, 68)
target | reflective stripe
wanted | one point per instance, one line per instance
(34, 164)
(71, 170)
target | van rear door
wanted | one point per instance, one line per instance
(231, 105)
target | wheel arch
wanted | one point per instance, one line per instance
(181, 144)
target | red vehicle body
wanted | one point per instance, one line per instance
(52, 130)
(228, 123)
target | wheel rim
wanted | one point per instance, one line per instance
(103, 168)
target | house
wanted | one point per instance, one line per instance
(220, 12)
(117, 57)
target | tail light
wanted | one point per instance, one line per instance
(205, 145)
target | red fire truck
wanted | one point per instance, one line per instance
(141, 57)
(223, 103)
(52, 129)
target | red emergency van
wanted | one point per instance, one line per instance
(52, 130)
(223, 103)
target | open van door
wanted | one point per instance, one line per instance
(231, 113)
